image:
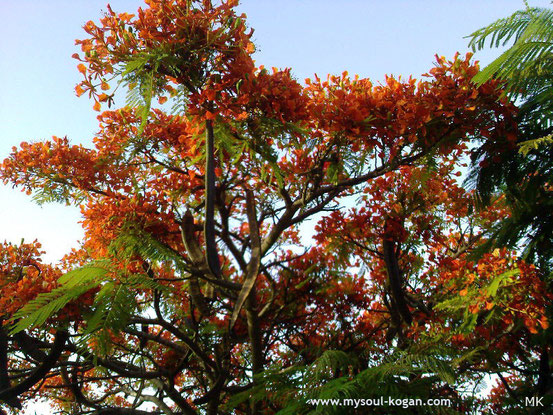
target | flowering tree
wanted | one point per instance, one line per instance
(195, 291)
(522, 175)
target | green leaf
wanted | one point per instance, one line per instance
(113, 305)
(497, 281)
(527, 146)
(73, 284)
(469, 322)
(37, 311)
(82, 275)
(133, 241)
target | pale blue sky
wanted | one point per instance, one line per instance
(370, 37)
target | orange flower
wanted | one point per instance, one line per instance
(81, 68)
(79, 90)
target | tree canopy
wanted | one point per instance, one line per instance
(196, 290)
(522, 175)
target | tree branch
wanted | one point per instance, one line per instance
(41, 371)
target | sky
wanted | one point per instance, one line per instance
(366, 37)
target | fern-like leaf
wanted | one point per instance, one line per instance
(73, 284)
(133, 241)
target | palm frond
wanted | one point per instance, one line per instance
(500, 32)
(526, 62)
(527, 146)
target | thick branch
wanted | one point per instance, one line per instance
(195, 254)
(41, 371)
(211, 247)
(544, 378)
(395, 279)
(179, 400)
(182, 336)
(255, 260)
(13, 400)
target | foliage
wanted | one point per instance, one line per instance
(195, 290)
(522, 176)
(526, 65)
